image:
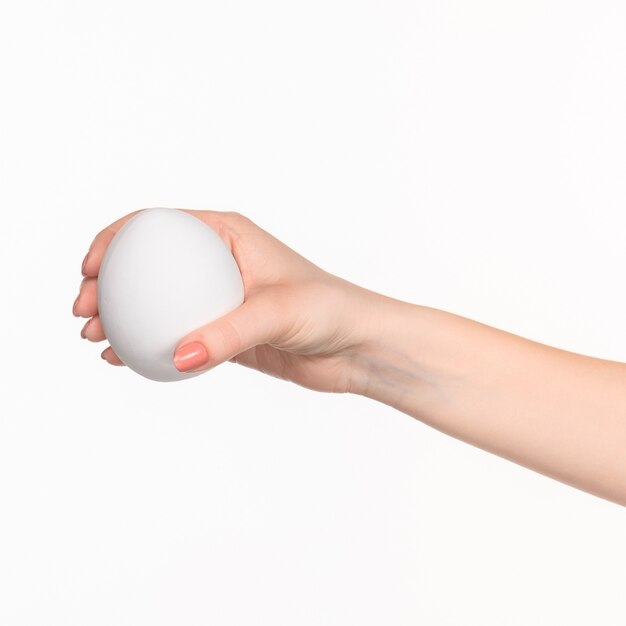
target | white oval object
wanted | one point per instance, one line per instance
(165, 274)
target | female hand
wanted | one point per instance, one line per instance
(557, 412)
(297, 321)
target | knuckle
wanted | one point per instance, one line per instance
(231, 337)
(238, 217)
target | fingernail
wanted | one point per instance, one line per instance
(82, 269)
(190, 356)
(83, 334)
(74, 306)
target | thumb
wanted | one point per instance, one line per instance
(256, 321)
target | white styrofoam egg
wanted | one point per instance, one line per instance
(165, 274)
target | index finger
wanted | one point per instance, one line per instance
(91, 265)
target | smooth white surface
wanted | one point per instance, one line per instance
(464, 155)
(165, 274)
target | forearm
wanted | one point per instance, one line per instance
(556, 412)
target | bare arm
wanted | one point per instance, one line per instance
(559, 413)
(556, 412)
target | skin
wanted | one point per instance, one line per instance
(556, 412)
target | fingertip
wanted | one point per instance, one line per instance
(110, 357)
(92, 330)
(86, 303)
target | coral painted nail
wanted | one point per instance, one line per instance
(83, 332)
(82, 269)
(190, 356)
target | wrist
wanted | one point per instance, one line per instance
(393, 362)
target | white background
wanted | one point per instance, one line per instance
(469, 156)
